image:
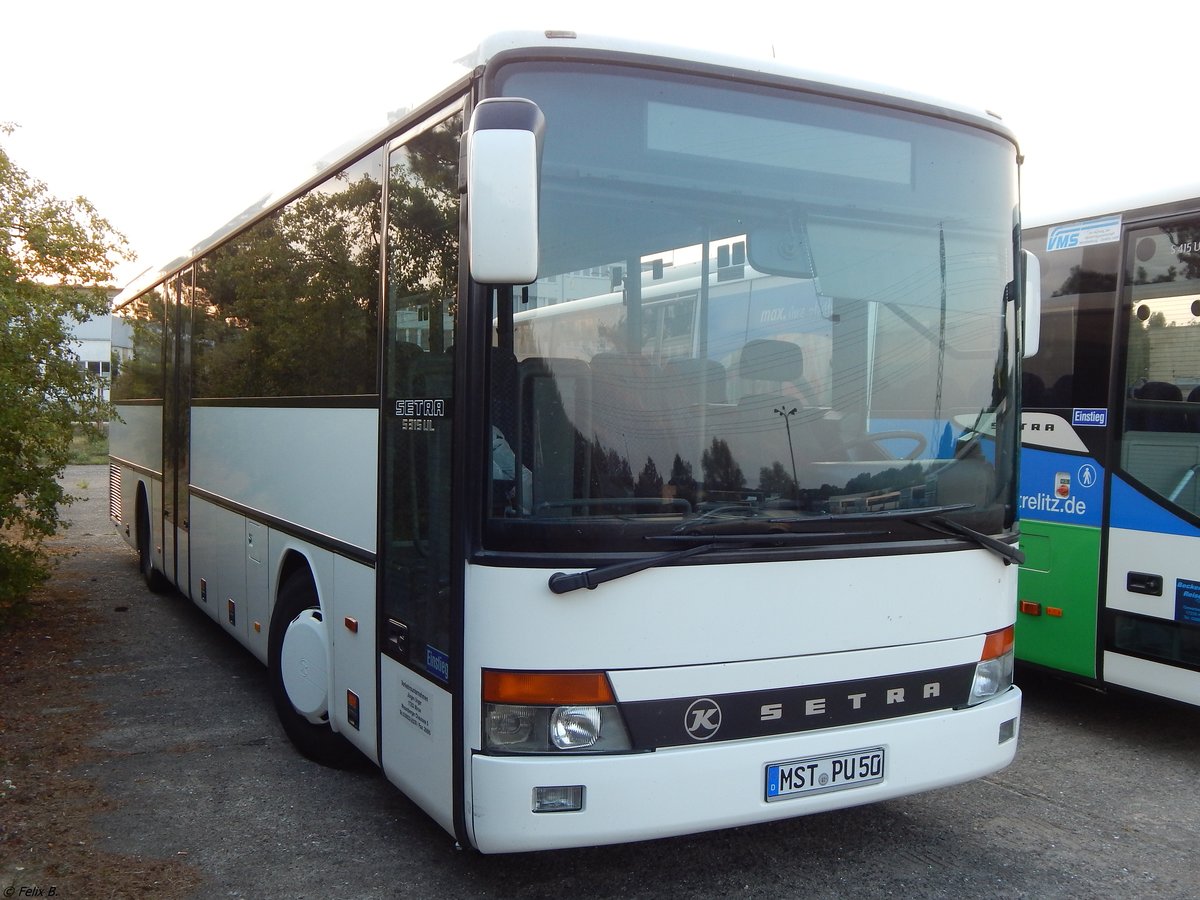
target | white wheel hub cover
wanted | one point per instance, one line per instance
(304, 663)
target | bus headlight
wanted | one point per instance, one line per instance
(574, 727)
(994, 673)
(548, 729)
(549, 712)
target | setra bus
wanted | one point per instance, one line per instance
(622, 444)
(1110, 499)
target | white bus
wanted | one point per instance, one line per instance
(1110, 499)
(621, 445)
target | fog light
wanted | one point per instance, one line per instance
(559, 798)
(574, 727)
(1008, 730)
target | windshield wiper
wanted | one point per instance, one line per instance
(929, 517)
(762, 537)
(923, 512)
(1006, 552)
(933, 518)
(699, 526)
(562, 583)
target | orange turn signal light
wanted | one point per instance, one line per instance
(997, 643)
(547, 688)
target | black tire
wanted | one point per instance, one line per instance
(320, 743)
(155, 580)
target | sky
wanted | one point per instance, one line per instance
(171, 118)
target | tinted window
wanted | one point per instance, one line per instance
(1161, 436)
(138, 348)
(736, 316)
(1071, 368)
(418, 402)
(290, 307)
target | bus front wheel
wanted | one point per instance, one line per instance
(298, 655)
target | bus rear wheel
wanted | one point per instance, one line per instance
(155, 580)
(298, 655)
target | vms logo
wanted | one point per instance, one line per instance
(1083, 234)
(1062, 239)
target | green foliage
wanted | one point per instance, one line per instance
(721, 471)
(300, 286)
(53, 256)
(89, 447)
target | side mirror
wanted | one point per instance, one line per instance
(503, 172)
(1031, 310)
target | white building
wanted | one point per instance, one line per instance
(95, 345)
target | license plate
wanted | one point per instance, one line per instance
(822, 774)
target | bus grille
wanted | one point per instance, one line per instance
(114, 492)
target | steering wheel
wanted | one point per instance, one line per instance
(873, 439)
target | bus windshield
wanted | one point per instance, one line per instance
(756, 308)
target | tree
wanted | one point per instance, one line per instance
(721, 471)
(776, 480)
(682, 482)
(54, 257)
(649, 482)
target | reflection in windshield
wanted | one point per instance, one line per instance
(720, 333)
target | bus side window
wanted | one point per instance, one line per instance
(1154, 415)
(1193, 415)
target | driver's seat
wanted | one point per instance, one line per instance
(769, 368)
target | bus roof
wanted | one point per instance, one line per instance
(557, 41)
(1133, 206)
(503, 42)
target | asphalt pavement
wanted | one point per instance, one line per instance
(1101, 802)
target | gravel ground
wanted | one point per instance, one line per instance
(140, 756)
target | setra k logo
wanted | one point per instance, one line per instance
(702, 719)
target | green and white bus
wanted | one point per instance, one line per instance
(1110, 469)
(622, 444)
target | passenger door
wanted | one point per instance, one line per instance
(418, 642)
(1153, 579)
(176, 439)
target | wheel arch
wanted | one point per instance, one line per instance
(144, 540)
(292, 562)
(297, 586)
(141, 512)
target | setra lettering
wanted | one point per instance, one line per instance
(820, 706)
(408, 409)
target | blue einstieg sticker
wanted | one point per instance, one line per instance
(437, 663)
(1187, 601)
(1089, 418)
